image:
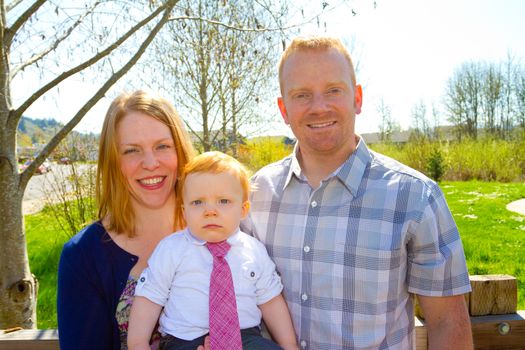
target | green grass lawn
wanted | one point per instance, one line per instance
(493, 238)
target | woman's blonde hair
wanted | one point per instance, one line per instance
(112, 191)
(215, 163)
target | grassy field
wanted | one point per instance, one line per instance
(494, 238)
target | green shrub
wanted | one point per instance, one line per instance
(436, 165)
(262, 151)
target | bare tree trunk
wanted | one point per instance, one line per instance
(18, 287)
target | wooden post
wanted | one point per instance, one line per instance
(493, 295)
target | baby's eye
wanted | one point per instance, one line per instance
(224, 201)
(196, 202)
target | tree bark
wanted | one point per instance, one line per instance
(18, 287)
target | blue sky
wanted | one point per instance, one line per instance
(405, 49)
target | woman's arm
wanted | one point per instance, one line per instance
(278, 321)
(84, 321)
(142, 320)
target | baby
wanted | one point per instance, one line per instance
(215, 189)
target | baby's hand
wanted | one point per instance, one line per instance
(207, 345)
(290, 347)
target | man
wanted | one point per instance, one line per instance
(354, 233)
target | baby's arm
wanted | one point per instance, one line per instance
(277, 318)
(142, 320)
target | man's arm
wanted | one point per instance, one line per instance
(447, 322)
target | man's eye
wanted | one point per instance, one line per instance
(302, 96)
(334, 91)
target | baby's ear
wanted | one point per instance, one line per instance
(245, 209)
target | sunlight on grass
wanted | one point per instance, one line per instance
(493, 239)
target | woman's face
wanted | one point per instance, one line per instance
(148, 160)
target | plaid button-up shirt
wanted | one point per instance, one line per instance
(351, 251)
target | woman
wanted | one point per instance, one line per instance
(143, 148)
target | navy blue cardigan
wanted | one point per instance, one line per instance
(92, 274)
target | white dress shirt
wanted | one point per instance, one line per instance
(178, 278)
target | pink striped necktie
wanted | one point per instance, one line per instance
(225, 332)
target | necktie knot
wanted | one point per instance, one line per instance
(218, 249)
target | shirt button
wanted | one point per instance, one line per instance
(314, 204)
(304, 297)
(303, 343)
(306, 249)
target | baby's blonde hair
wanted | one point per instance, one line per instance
(215, 163)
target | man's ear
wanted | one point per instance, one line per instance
(358, 98)
(282, 108)
(245, 209)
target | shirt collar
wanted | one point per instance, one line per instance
(350, 173)
(232, 240)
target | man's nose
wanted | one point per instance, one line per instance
(319, 103)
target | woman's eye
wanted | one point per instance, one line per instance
(196, 202)
(163, 146)
(130, 150)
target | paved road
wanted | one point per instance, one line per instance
(35, 193)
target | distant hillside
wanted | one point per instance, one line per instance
(33, 132)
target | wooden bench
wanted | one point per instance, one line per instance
(489, 332)
(492, 305)
(33, 339)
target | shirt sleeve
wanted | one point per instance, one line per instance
(82, 310)
(269, 285)
(436, 261)
(155, 281)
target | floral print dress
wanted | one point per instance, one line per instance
(122, 315)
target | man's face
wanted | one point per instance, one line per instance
(213, 205)
(320, 102)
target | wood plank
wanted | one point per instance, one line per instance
(420, 334)
(34, 339)
(485, 332)
(487, 337)
(493, 295)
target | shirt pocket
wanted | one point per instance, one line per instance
(248, 275)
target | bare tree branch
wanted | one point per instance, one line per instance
(53, 143)
(240, 29)
(10, 32)
(12, 5)
(17, 114)
(54, 45)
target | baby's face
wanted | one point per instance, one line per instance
(213, 205)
